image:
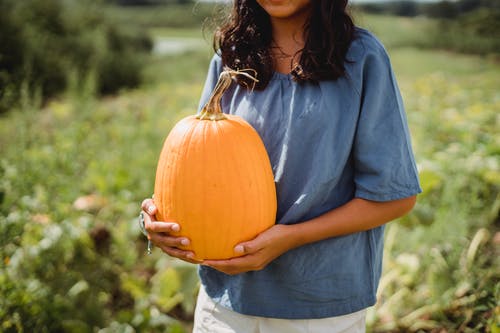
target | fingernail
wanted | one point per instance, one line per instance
(190, 256)
(239, 249)
(185, 241)
(151, 209)
(176, 227)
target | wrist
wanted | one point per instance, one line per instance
(293, 235)
(306, 232)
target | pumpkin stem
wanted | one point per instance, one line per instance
(212, 109)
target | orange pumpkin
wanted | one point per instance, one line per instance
(214, 178)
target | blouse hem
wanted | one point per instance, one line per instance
(325, 311)
(373, 196)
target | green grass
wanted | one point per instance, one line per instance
(413, 62)
(410, 63)
(172, 15)
(178, 32)
(395, 31)
(189, 67)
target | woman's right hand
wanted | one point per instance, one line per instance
(158, 234)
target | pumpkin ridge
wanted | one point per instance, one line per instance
(210, 141)
(220, 168)
(180, 172)
(163, 167)
(246, 137)
(205, 146)
(237, 174)
(174, 160)
(269, 191)
(249, 147)
(195, 168)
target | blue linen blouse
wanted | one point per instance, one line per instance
(328, 143)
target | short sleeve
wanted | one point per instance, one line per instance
(384, 165)
(214, 70)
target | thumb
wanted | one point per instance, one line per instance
(245, 248)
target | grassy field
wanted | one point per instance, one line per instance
(73, 172)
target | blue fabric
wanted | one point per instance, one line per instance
(328, 143)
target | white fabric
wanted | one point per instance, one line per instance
(213, 318)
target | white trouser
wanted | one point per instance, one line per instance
(210, 317)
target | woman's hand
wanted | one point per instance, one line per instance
(158, 234)
(258, 252)
(354, 216)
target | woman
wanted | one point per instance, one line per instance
(331, 117)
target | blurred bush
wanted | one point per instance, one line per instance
(72, 176)
(45, 45)
(441, 261)
(172, 15)
(467, 26)
(475, 32)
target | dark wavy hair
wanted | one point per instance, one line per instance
(245, 42)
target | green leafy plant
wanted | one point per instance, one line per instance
(46, 44)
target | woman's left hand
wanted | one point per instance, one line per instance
(258, 252)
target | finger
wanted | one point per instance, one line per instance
(180, 254)
(164, 240)
(148, 206)
(230, 264)
(159, 226)
(145, 203)
(247, 248)
(236, 265)
(151, 225)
